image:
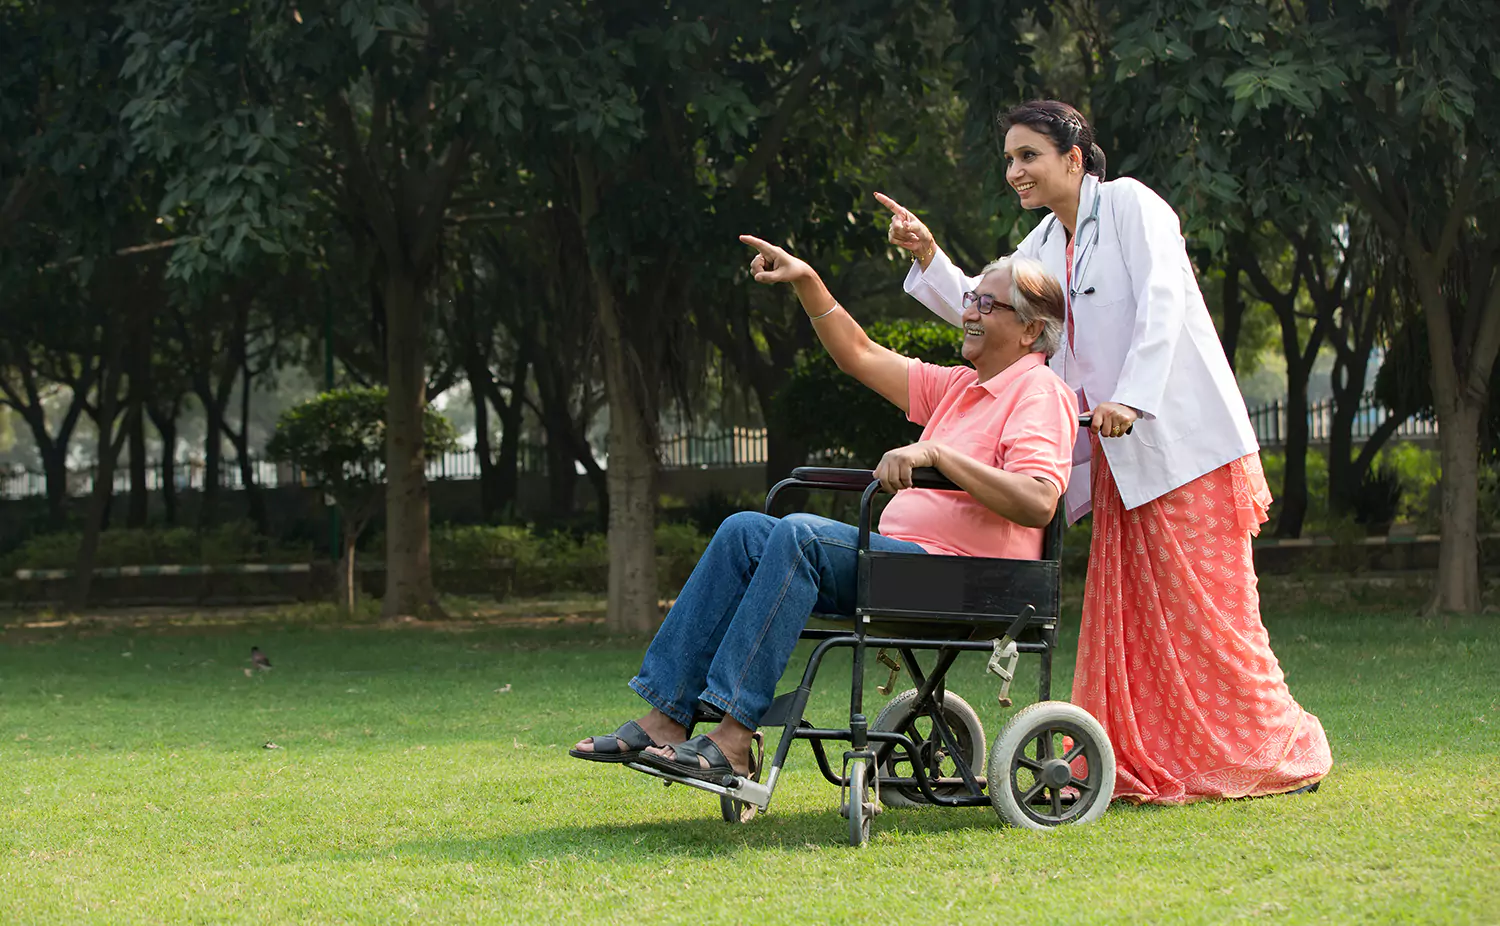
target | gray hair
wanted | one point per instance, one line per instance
(1036, 296)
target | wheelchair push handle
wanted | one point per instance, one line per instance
(1087, 419)
(829, 477)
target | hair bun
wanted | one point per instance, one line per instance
(1094, 163)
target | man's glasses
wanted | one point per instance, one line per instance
(986, 303)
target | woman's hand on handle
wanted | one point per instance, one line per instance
(1111, 419)
(772, 264)
(907, 231)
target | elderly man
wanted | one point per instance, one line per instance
(1002, 429)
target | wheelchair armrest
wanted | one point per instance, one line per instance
(857, 480)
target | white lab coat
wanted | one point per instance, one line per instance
(1144, 339)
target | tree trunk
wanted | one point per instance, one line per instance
(166, 428)
(508, 470)
(1299, 363)
(562, 478)
(479, 376)
(1457, 586)
(254, 498)
(1294, 491)
(140, 386)
(1232, 306)
(598, 480)
(104, 478)
(408, 566)
(632, 604)
(1462, 349)
(135, 515)
(55, 469)
(213, 459)
(1344, 471)
(562, 441)
(346, 593)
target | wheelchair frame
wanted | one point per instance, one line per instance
(947, 605)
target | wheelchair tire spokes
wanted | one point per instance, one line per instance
(949, 743)
(1052, 765)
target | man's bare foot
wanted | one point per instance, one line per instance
(658, 726)
(732, 737)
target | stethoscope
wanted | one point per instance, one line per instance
(1086, 255)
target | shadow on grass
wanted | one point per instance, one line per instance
(707, 837)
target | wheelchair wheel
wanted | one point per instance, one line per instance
(735, 811)
(859, 809)
(898, 716)
(1052, 765)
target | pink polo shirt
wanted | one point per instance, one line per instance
(1023, 420)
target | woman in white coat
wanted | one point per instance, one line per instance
(1173, 658)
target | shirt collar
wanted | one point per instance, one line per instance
(1086, 195)
(1001, 381)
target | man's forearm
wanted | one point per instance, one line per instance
(1026, 500)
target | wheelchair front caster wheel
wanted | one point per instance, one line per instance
(860, 808)
(1051, 765)
(737, 811)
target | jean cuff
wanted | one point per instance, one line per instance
(725, 705)
(660, 703)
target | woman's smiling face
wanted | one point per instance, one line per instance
(1035, 169)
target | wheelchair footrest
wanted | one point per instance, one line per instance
(780, 710)
(734, 786)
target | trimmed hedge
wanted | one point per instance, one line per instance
(236, 542)
(550, 563)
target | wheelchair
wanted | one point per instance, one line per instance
(1052, 763)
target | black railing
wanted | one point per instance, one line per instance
(735, 447)
(1270, 422)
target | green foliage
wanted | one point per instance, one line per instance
(1414, 472)
(1378, 498)
(226, 544)
(845, 422)
(1274, 463)
(530, 563)
(338, 440)
(1489, 498)
(1417, 471)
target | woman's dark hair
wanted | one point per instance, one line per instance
(1064, 125)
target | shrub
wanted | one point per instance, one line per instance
(846, 423)
(1378, 499)
(226, 544)
(1489, 498)
(678, 547)
(1418, 471)
(1274, 464)
(338, 439)
(529, 563)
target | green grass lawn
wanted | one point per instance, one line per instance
(421, 774)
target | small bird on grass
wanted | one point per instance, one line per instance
(260, 659)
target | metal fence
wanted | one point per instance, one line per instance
(1270, 422)
(735, 447)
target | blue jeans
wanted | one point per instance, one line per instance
(732, 631)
